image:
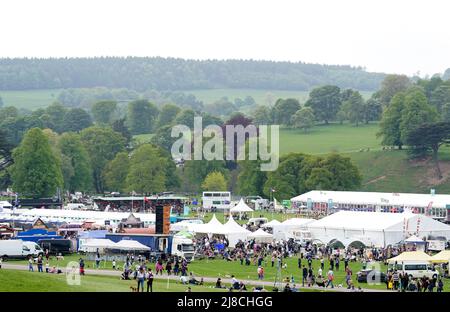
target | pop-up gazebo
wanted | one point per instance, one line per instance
(411, 256)
(241, 208)
(235, 232)
(261, 237)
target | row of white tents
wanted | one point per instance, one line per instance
(231, 230)
(374, 229)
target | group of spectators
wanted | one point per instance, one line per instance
(400, 281)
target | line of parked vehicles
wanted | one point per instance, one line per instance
(20, 249)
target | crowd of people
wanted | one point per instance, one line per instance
(317, 265)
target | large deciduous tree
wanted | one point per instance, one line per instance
(299, 173)
(72, 148)
(355, 105)
(440, 96)
(102, 145)
(167, 114)
(372, 110)
(325, 101)
(303, 119)
(104, 112)
(284, 109)
(262, 115)
(430, 136)
(147, 172)
(115, 173)
(56, 113)
(214, 181)
(76, 119)
(390, 122)
(36, 171)
(416, 112)
(141, 116)
(391, 85)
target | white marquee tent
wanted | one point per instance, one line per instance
(378, 229)
(261, 237)
(212, 227)
(94, 244)
(241, 207)
(185, 225)
(128, 244)
(271, 224)
(285, 229)
(235, 232)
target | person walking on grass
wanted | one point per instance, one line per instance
(440, 285)
(140, 279)
(30, 264)
(169, 267)
(39, 264)
(81, 266)
(330, 277)
(1, 261)
(304, 275)
(150, 281)
(97, 260)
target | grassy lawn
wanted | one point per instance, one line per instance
(29, 99)
(221, 268)
(23, 281)
(323, 139)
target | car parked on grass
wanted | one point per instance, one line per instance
(371, 274)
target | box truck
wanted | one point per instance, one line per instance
(160, 244)
(16, 248)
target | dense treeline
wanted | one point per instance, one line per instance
(94, 151)
(144, 73)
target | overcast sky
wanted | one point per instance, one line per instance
(401, 36)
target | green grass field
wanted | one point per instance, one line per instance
(323, 139)
(14, 280)
(23, 281)
(210, 268)
(32, 99)
(29, 99)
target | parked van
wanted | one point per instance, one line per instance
(56, 246)
(416, 269)
(16, 248)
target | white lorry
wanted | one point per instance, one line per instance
(183, 247)
(16, 248)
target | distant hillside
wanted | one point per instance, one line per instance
(144, 73)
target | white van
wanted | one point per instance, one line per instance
(417, 269)
(16, 248)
